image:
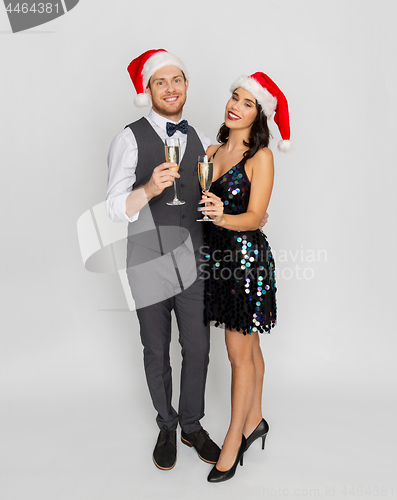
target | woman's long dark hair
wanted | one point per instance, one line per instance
(259, 137)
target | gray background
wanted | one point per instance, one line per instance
(76, 418)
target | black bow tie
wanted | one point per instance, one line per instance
(183, 126)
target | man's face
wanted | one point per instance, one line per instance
(168, 92)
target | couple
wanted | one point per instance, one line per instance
(239, 292)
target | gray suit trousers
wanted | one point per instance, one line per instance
(194, 338)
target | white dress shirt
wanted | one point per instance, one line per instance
(123, 159)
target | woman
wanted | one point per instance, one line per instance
(241, 288)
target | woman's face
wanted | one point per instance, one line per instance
(240, 110)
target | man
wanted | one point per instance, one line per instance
(162, 268)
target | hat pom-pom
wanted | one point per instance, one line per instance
(142, 100)
(285, 146)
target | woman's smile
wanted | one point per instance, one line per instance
(232, 116)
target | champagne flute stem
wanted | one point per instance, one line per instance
(175, 198)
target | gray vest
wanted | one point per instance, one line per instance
(157, 213)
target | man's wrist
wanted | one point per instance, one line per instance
(148, 192)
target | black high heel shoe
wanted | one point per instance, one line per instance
(260, 431)
(217, 476)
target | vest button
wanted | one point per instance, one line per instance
(183, 216)
(182, 185)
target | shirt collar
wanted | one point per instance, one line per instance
(161, 121)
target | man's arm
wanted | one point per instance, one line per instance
(161, 178)
(122, 203)
(122, 162)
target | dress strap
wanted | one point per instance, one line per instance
(213, 155)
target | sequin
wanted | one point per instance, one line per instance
(251, 307)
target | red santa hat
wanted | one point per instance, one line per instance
(144, 66)
(270, 97)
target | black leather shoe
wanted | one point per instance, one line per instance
(218, 476)
(164, 454)
(207, 450)
(260, 431)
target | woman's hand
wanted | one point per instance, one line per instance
(213, 208)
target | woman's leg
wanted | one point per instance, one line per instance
(254, 416)
(240, 352)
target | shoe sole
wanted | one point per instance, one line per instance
(191, 446)
(163, 468)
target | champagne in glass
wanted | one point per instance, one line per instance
(205, 173)
(172, 155)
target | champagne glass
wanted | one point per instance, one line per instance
(172, 155)
(205, 173)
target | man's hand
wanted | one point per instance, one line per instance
(264, 221)
(162, 177)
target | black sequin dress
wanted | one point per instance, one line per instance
(240, 285)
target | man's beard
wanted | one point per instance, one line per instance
(164, 111)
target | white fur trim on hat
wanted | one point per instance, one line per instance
(142, 100)
(159, 60)
(261, 94)
(285, 146)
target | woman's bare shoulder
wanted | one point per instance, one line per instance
(262, 158)
(211, 149)
(263, 154)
